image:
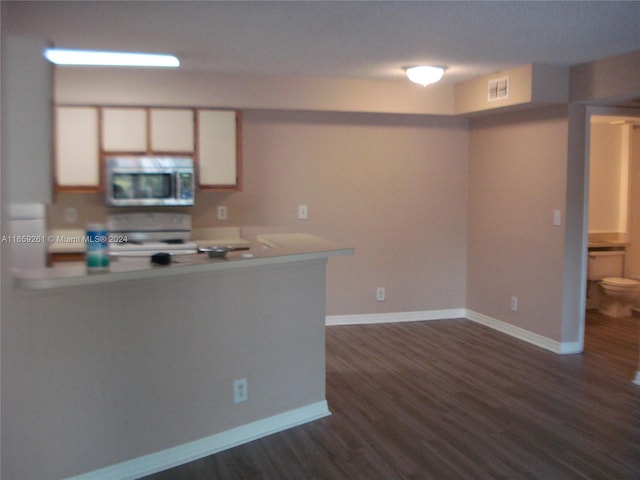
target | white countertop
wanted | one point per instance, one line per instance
(72, 240)
(264, 250)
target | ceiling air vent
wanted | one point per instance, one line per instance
(498, 89)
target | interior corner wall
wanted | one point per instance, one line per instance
(576, 225)
(518, 175)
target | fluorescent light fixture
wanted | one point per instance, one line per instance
(61, 56)
(424, 75)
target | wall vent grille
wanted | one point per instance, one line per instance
(498, 89)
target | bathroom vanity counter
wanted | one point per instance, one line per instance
(608, 245)
(608, 241)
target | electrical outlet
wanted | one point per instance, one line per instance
(514, 304)
(70, 215)
(381, 294)
(222, 212)
(240, 392)
(303, 212)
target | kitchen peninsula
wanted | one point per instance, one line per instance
(133, 370)
(264, 250)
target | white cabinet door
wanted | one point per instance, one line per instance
(217, 148)
(172, 130)
(76, 146)
(124, 130)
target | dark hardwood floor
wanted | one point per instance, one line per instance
(452, 399)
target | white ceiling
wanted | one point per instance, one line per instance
(356, 39)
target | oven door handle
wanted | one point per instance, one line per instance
(174, 194)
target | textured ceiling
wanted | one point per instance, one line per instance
(357, 39)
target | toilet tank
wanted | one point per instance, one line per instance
(608, 263)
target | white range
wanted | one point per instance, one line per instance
(143, 234)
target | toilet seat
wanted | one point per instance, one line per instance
(619, 294)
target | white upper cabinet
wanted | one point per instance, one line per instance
(124, 130)
(86, 133)
(172, 130)
(148, 130)
(218, 159)
(77, 149)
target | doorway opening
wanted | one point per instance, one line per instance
(613, 213)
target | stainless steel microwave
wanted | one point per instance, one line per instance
(135, 181)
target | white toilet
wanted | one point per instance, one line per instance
(617, 294)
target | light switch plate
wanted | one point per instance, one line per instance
(303, 212)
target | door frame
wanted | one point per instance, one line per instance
(590, 112)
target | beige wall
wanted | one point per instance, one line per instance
(102, 374)
(528, 85)
(472, 96)
(155, 86)
(517, 178)
(633, 253)
(607, 80)
(608, 180)
(394, 187)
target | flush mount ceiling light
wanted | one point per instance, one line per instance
(61, 56)
(424, 74)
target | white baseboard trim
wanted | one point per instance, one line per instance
(522, 334)
(637, 379)
(188, 452)
(369, 318)
(562, 348)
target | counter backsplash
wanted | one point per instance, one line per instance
(73, 211)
